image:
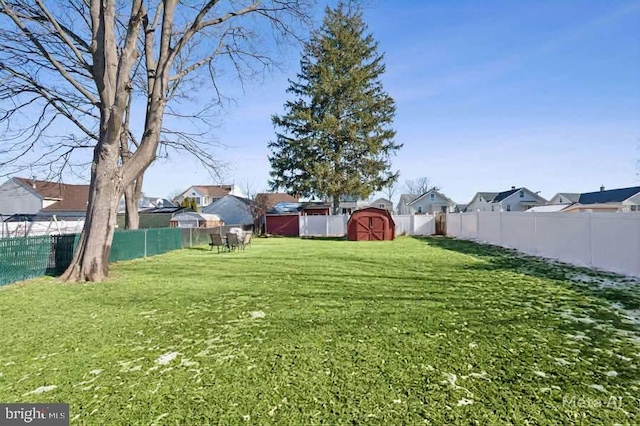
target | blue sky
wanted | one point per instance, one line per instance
(542, 94)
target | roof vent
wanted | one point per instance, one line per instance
(513, 187)
(602, 188)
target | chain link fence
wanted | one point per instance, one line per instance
(30, 257)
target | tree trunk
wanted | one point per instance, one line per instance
(91, 258)
(336, 204)
(132, 195)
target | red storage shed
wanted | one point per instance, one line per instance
(371, 224)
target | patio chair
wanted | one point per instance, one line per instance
(233, 242)
(246, 241)
(217, 241)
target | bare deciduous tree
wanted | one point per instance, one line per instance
(390, 190)
(88, 61)
(418, 186)
(248, 187)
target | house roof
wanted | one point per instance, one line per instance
(173, 209)
(381, 201)
(214, 191)
(488, 196)
(216, 205)
(571, 196)
(406, 198)
(267, 200)
(504, 194)
(431, 191)
(71, 197)
(314, 205)
(161, 202)
(244, 200)
(609, 196)
(288, 208)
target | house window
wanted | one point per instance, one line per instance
(197, 200)
(419, 209)
(206, 200)
(522, 193)
(492, 208)
(432, 197)
(382, 206)
(560, 200)
(634, 208)
(508, 207)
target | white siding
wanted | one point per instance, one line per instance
(633, 201)
(479, 204)
(15, 198)
(434, 206)
(513, 202)
(559, 199)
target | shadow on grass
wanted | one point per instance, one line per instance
(602, 285)
(343, 238)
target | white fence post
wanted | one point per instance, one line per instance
(590, 236)
(536, 249)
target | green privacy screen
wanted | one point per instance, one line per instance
(31, 257)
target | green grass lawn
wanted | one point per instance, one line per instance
(314, 331)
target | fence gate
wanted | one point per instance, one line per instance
(441, 224)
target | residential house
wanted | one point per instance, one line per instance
(383, 203)
(514, 199)
(350, 203)
(403, 203)
(233, 210)
(431, 202)
(460, 208)
(564, 198)
(207, 194)
(613, 200)
(481, 202)
(31, 196)
(147, 203)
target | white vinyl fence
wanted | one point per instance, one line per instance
(336, 225)
(411, 224)
(32, 229)
(323, 226)
(607, 241)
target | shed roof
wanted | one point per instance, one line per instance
(195, 216)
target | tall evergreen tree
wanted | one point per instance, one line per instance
(335, 138)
